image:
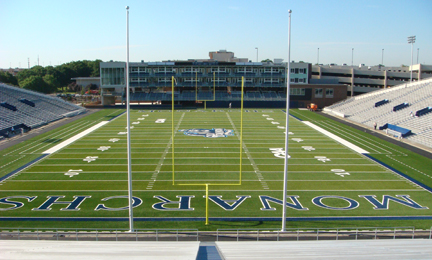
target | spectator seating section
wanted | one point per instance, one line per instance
(31, 109)
(417, 96)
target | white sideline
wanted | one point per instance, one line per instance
(74, 138)
(336, 138)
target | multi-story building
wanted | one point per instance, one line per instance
(217, 83)
(370, 78)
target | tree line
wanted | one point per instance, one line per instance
(50, 79)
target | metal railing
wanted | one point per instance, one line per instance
(322, 234)
(99, 235)
(300, 234)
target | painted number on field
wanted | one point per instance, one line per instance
(278, 152)
(298, 140)
(160, 121)
(113, 140)
(72, 173)
(122, 133)
(104, 148)
(90, 158)
(340, 172)
(308, 148)
(322, 159)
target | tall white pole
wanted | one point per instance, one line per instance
(131, 229)
(257, 53)
(411, 40)
(284, 208)
(412, 44)
(418, 49)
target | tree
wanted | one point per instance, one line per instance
(35, 83)
(8, 78)
(267, 60)
(52, 83)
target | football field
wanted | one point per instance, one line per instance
(334, 173)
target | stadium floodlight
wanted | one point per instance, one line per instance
(131, 229)
(257, 52)
(411, 40)
(284, 208)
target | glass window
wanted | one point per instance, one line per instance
(329, 92)
(318, 92)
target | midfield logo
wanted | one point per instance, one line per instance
(211, 133)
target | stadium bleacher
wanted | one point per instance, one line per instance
(27, 109)
(413, 102)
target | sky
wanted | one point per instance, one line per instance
(60, 31)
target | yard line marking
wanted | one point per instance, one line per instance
(162, 158)
(74, 138)
(254, 166)
(336, 138)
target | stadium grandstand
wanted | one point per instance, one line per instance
(401, 111)
(22, 110)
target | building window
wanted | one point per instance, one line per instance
(318, 92)
(134, 69)
(292, 80)
(292, 70)
(329, 92)
(112, 76)
(164, 79)
(297, 91)
(244, 69)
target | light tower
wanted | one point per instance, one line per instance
(411, 40)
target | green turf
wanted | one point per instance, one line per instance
(215, 161)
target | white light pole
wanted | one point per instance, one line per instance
(418, 49)
(257, 52)
(131, 229)
(411, 40)
(352, 58)
(284, 208)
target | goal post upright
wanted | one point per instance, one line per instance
(173, 151)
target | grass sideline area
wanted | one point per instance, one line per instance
(330, 185)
